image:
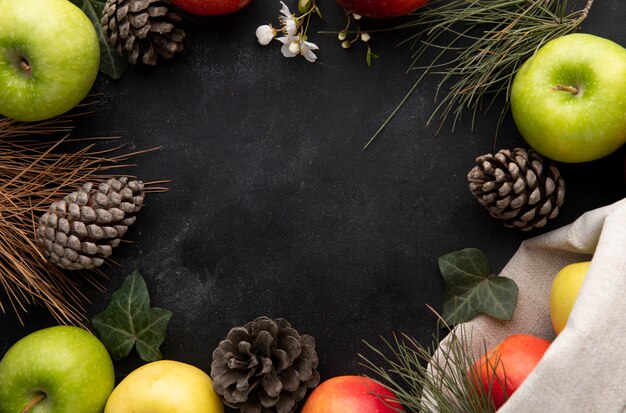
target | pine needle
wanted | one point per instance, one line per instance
(438, 378)
(478, 46)
(425, 385)
(33, 173)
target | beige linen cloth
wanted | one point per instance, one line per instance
(584, 370)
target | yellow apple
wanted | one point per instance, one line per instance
(165, 387)
(565, 288)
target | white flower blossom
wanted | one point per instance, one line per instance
(295, 45)
(265, 34)
(293, 35)
(291, 45)
(288, 20)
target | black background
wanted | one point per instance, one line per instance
(275, 209)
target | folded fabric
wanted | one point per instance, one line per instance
(584, 370)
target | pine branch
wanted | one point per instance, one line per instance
(423, 384)
(479, 45)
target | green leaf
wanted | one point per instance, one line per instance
(470, 289)
(369, 56)
(112, 63)
(128, 321)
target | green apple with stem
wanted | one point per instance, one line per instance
(49, 57)
(569, 99)
(56, 370)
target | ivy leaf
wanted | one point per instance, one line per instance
(471, 289)
(112, 63)
(128, 321)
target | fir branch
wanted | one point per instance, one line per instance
(427, 385)
(489, 40)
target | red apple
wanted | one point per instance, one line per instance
(513, 360)
(351, 394)
(381, 9)
(211, 7)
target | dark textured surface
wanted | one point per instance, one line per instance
(276, 210)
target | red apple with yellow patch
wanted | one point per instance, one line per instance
(505, 367)
(382, 9)
(351, 394)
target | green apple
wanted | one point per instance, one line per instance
(569, 99)
(165, 386)
(49, 57)
(56, 370)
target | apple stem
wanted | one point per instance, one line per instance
(26, 68)
(565, 88)
(39, 397)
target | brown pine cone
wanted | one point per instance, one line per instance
(264, 367)
(142, 29)
(81, 231)
(518, 187)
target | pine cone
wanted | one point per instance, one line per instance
(264, 367)
(516, 187)
(80, 231)
(142, 29)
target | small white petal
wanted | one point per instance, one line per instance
(286, 52)
(294, 47)
(265, 34)
(365, 37)
(287, 41)
(311, 46)
(310, 56)
(290, 26)
(285, 10)
(306, 50)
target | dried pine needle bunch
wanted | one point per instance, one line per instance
(33, 173)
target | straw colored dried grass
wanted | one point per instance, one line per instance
(34, 171)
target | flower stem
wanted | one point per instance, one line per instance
(38, 397)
